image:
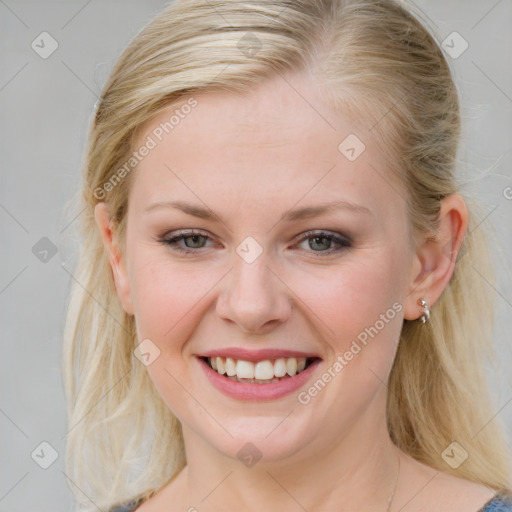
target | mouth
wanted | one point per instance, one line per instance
(259, 372)
(258, 376)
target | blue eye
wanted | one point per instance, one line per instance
(195, 240)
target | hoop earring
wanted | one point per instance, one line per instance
(426, 311)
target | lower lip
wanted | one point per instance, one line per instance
(258, 392)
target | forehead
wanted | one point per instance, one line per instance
(271, 146)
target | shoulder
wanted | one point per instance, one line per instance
(446, 492)
(502, 502)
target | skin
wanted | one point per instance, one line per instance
(250, 158)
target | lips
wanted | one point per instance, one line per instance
(264, 374)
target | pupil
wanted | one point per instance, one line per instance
(315, 240)
(194, 238)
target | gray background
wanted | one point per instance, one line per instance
(45, 108)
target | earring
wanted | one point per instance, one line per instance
(426, 311)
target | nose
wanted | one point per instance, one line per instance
(254, 297)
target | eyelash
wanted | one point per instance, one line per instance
(343, 241)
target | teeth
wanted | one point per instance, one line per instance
(262, 371)
(244, 369)
(230, 367)
(280, 367)
(253, 381)
(291, 366)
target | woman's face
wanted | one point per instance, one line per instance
(272, 275)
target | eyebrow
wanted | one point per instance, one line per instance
(288, 216)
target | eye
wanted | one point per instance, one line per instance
(193, 240)
(321, 241)
(318, 241)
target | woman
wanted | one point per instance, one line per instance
(278, 308)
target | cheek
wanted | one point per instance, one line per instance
(169, 301)
(361, 318)
(351, 297)
(360, 309)
(166, 297)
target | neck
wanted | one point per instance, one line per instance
(359, 472)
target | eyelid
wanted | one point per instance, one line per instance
(321, 232)
(181, 234)
(185, 232)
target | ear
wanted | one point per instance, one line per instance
(117, 264)
(434, 260)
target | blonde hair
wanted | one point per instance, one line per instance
(376, 62)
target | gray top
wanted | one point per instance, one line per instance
(128, 507)
(500, 503)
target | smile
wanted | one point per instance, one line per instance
(267, 376)
(260, 372)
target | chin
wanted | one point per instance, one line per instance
(263, 440)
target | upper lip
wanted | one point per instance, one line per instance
(256, 355)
